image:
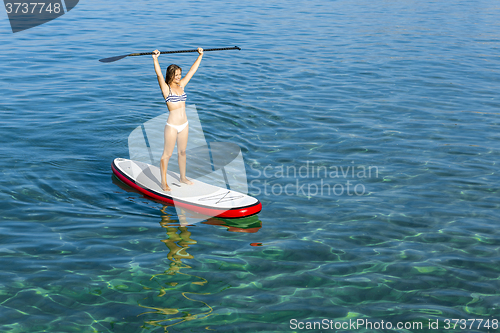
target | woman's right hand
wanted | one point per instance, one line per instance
(156, 54)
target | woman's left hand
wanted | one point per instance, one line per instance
(200, 51)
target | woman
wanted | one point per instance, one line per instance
(177, 127)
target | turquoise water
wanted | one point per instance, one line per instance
(405, 93)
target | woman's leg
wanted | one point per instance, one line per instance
(170, 136)
(182, 139)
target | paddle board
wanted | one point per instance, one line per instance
(200, 197)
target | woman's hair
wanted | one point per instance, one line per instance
(169, 75)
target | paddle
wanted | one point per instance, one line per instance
(111, 59)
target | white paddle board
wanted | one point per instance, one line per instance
(199, 197)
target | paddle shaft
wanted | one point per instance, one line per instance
(112, 59)
(186, 51)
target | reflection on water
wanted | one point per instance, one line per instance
(177, 289)
(173, 281)
(249, 224)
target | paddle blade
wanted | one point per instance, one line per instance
(111, 59)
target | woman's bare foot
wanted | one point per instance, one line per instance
(186, 181)
(165, 187)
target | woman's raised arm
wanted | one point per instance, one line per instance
(159, 75)
(193, 69)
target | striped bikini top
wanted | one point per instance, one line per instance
(172, 98)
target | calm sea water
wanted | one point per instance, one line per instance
(370, 133)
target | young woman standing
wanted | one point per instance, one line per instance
(177, 127)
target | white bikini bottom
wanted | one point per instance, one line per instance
(179, 128)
